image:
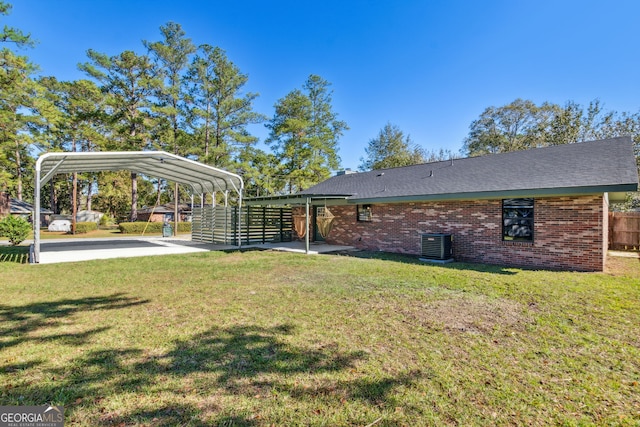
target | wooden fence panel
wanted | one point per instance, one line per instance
(259, 224)
(624, 230)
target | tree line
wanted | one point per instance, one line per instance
(519, 125)
(190, 100)
(179, 97)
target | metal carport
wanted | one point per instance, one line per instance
(200, 178)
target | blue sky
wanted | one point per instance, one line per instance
(430, 67)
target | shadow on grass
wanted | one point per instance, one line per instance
(24, 323)
(414, 259)
(15, 254)
(238, 362)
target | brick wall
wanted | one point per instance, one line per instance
(569, 232)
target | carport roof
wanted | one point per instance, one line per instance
(199, 177)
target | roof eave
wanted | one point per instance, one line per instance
(293, 199)
(485, 195)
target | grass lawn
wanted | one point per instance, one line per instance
(267, 338)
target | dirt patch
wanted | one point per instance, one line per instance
(623, 266)
(468, 313)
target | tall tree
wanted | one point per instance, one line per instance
(130, 81)
(325, 130)
(522, 124)
(305, 133)
(171, 56)
(289, 140)
(80, 122)
(515, 126)
(220, 111)
(391, 149)
(18, 99)
(259, 171)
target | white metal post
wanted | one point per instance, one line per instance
(36, 217)
(240, 219)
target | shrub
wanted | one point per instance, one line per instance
(15, 229)
(139, 227)
(85, 227)
(152, 227)
(105, 220)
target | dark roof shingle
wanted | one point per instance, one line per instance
(606, 164)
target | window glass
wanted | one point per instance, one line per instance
(517, 219)
(364, 213)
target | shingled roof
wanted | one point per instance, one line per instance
(585, 168)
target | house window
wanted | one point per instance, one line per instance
(517, 220)
(364, 213)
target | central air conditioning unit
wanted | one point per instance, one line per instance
(436, 247)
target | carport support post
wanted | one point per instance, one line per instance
(240, 219)
(306, 224)
(36, 218)
(175, 211)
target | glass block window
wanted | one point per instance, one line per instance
(517, 220)
(364, 213)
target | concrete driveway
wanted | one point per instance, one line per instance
(70, 250)
(81, 249)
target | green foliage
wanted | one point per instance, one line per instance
(19, 118)
(219, 114)
(522, 125)
(106, 220)
(304, 135)
(515, 126)
(15, 254)
(10, 34)
(129, 81)
(85, 227)
(291, 340)
(391, 149)
(258, 169)
(171, 58)
(15, 229)
(114, 198)
(139, 227)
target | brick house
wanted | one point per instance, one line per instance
(162, 213)
(540, 208)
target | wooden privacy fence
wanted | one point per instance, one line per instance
(260, 224)
(624, 230)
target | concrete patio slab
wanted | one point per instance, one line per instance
(81, 249)
(84, 250)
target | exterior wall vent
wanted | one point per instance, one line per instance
(436, 247)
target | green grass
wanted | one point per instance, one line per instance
(17, 254)
(266, 338)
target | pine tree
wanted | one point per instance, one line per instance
(220, 111)
(18, 101)
(130, 81)
(305, 133)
